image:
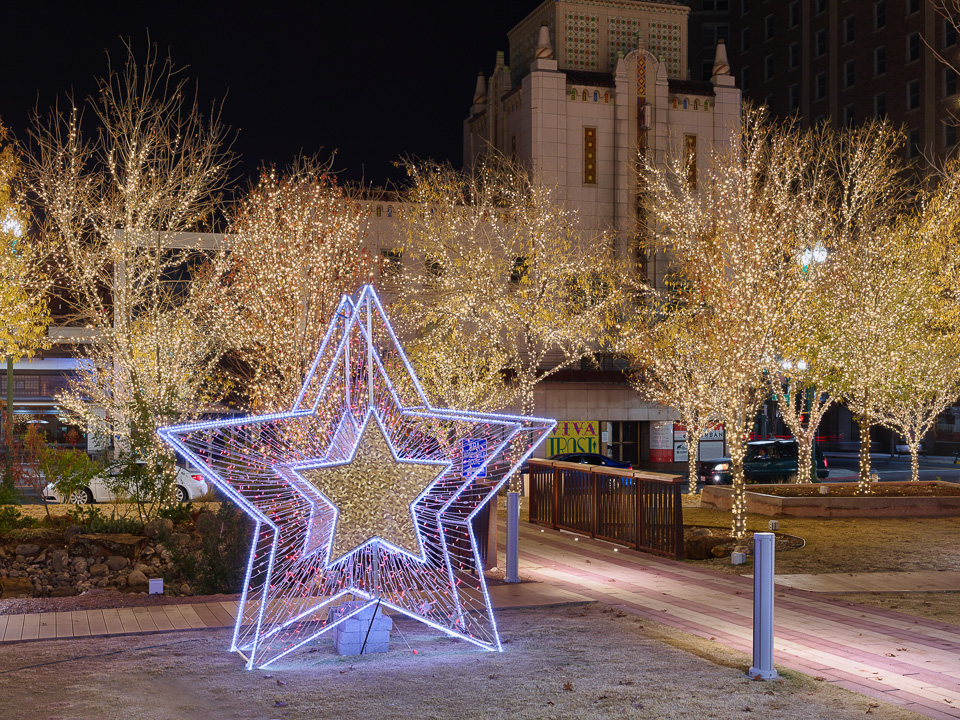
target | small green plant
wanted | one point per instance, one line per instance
(220, 564)
(92, 520)
(178, 513)
(12, 519)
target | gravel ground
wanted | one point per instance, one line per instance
(584, 661)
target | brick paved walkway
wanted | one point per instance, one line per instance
(898, 658)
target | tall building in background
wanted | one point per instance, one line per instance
(589, 85)
(850, 61)
(584, 87)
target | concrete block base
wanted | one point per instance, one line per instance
(349, 635)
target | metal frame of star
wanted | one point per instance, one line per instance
(348, 317)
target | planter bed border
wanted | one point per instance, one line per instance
(720, 497)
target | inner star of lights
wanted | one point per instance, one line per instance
(362, 491)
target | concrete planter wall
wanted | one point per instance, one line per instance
(720, 497)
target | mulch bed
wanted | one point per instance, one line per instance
(701, 547)
(879, 490)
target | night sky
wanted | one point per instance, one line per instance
(374, 82)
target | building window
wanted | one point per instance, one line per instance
(745, 78)
(879, 60)
(913, 143)
(391, 263)
(745, 39)
(819, 6)
(950, 134)
(848, 115)
(768, 100)
(768, 27)
(820, 119)
(768, 67)
(820, 85)
(949, 33)
(913, 47)
(744, 7)
(913, 6)
(879, 14)
(589, 156)
(820, 42)
(849, 76)
(848, 29)
(880, 105)
(794, 13)
(793, 54)
(716, 5)
(690, 159)
(913, 95)
(794, 97)
(949, 82)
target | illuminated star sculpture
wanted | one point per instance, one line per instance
(362, 491)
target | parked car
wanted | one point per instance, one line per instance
(766, 461)
(189, 486)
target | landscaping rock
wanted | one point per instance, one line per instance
(157, 527)
(80, 565)
(58, 559)
(180, 539)
(136, 578)
(104, 544)
(71, 532)
(719, 551)
(16, 587)
(700, 532)
(99, 570)
(145, 569)
(701, 548)
(28, 550)
(116, 563)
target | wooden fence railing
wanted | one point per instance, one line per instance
(630, 507)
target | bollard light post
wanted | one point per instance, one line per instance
(513, 538)
(763, 556)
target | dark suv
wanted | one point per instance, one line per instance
(766, 461)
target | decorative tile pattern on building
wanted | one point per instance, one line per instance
(663, 41)
(581, 41)
(622, 34)
(522, 54)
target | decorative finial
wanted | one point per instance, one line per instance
(544, 46)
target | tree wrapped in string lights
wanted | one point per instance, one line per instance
(122, 203)
(921, 359)
(361, 491)
(297, 246)
(671, 364)
(24, 313)
(871, 272)
(497, 266)
(734, 239)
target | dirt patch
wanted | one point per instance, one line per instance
(575, 662)
(942, 606)
(702, 543)
(878, 490)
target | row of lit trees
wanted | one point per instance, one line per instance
(502, 284)
(804, 269)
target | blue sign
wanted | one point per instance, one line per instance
(475, 457)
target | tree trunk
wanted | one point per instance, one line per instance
(693, 442)
(914, 446)
(739, 509)
(806, 471)
(863, 485)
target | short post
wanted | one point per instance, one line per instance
(763, 554)
(513, 538)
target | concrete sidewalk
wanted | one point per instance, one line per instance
(897, 658)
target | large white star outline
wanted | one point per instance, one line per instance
(417, 555)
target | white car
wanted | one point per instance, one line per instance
(189, 486)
